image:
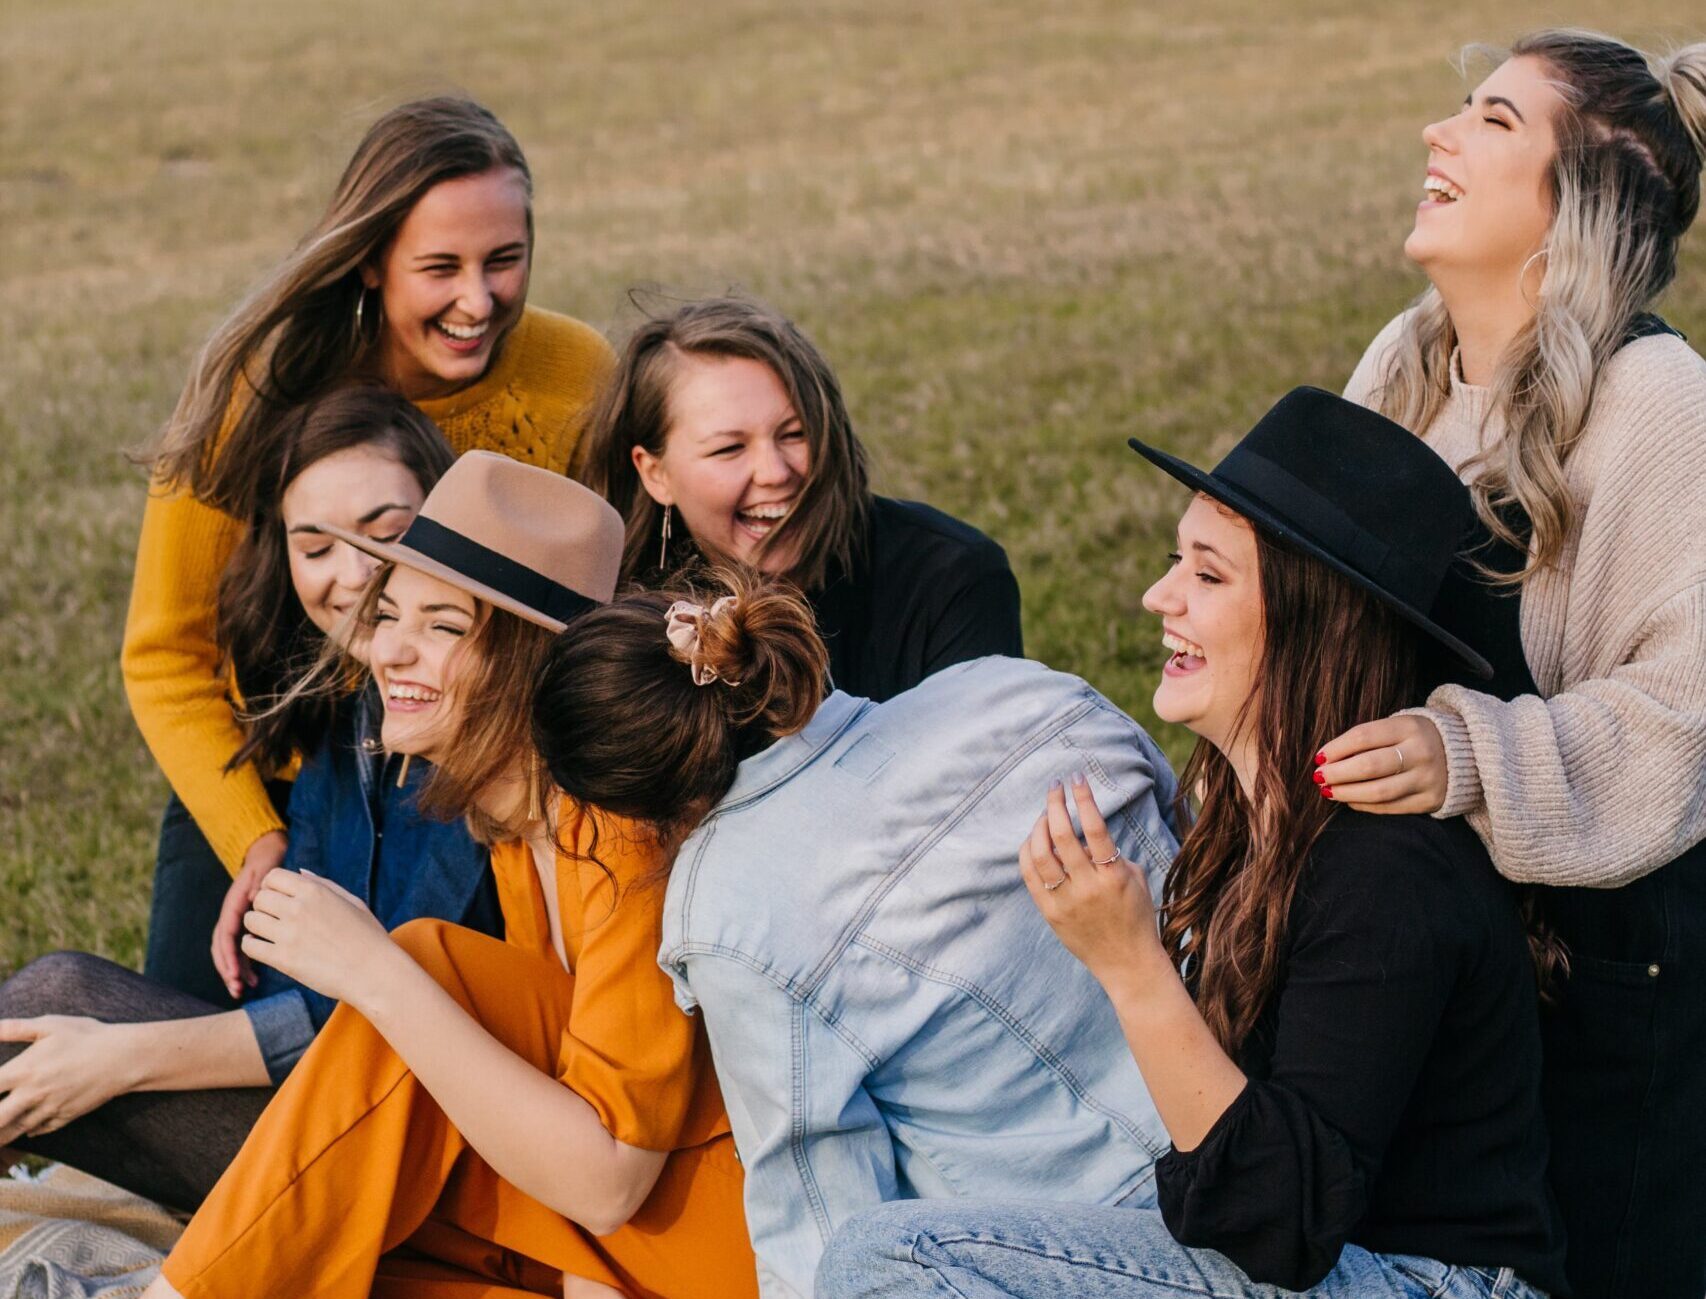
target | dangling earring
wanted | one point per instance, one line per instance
(663, 550)
(403, 771)
(535, 797)
(1522, 275)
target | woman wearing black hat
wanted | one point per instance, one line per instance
(1335, 1015)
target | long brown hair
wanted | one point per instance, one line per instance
(296, 333)
(1228, 896)
(266, 642)
(620, 724)
(1227, 902)
(1625, 186)
(829, 521)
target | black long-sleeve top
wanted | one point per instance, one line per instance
(1393, 1099)
(927, 592)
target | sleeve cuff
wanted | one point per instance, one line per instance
(283, 1028)
(1462, 777)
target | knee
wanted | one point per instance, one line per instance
(874, 1254)
(61, 983)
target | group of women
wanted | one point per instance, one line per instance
(614, 852)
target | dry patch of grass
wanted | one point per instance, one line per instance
(1022, 233)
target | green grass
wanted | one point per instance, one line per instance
(1022, 232)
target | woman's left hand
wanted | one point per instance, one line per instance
(1395, 766)
(73, 1065)
(1096, 902)
(319, 934)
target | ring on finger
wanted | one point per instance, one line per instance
(1109, 860)
(1400, 752)
(1057, 883)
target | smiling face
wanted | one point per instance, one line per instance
(420, 623)
(1487, 202)
(361, 489)
(452, 282)
(735, 457)
(1210, 604)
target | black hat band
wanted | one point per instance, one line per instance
(524, 585)
(1328, 525)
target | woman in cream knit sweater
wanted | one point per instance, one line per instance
(1554, 202)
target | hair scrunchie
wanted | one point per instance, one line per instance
(683, 622)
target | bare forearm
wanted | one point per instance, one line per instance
(1189, 1074)
(191, 1054)
(544, 1139)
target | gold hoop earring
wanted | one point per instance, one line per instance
(663, 549)
(360, 311)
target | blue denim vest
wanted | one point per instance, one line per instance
(889, 1014)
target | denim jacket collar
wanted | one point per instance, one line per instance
(791, 754)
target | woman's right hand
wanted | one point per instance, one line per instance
(72, 1065)
(264, 856)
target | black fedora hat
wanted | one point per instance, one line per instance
(1363, 495)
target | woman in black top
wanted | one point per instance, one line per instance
(1336, 1015)
(723, 434)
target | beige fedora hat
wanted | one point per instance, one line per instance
(519, 537)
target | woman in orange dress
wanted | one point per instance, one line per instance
(484, 1118)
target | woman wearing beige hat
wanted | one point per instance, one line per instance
(534, 1115)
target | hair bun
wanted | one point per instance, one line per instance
(1682, 73)
(760, 641)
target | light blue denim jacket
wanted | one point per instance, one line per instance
(889, 1014)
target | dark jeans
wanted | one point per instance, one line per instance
(168, 1146)
(1625, 1084)
(190, 884)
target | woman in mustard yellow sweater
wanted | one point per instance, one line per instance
(416, 276)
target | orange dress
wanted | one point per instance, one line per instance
(354, 1182)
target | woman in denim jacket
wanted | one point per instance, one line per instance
(143, 1084)
(888, 1014)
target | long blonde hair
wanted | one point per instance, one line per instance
(299, 331)
(1625, 186)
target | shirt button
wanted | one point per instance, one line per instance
(1653, 971)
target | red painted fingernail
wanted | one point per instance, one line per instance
(1320, 757)
(1319, 778)
(1325, 792)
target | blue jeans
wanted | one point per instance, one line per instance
(950, 1249)
(190, 884)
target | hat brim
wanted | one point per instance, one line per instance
(1260, 516)
(394, 553)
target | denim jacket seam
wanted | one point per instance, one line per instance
(1162, 856)
(787, 986)
(940, 830)
(1014, 1026)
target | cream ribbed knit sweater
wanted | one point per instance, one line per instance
(1603, 777)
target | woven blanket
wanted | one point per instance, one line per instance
(66, 1235)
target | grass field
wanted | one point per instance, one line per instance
(1021, 231)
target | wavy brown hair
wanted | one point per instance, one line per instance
(829, 520)
(296, 333)
(620, 724)
(1227, 901)
(1625, 187)
(266, 642)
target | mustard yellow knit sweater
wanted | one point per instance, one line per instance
(532, 404)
